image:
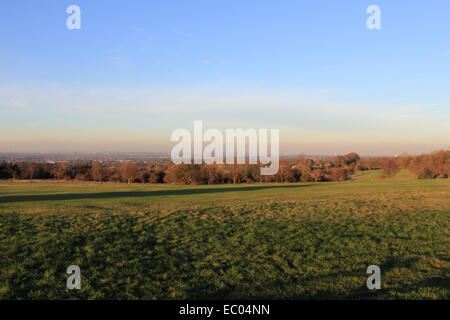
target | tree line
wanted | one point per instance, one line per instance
(426, 166)
(301, 169)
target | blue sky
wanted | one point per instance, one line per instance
(137, 70)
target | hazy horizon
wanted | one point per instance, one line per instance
(282, 154)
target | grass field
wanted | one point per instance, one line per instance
(273, 241)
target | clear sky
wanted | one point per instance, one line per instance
(137, 70)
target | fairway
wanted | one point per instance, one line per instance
(248, 241)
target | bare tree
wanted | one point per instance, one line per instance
(98, 171)
(130, 171)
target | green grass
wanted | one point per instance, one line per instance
(273, 241)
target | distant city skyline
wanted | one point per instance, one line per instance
(136, 71)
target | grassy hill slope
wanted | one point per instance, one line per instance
(293, 241)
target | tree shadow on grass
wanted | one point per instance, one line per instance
(360, 292)
(139, 194)
(357, 293)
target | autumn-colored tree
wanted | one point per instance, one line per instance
(316, 175)
(60, 170)
(32, 170)
(338, 161)
(429, 166)
(305, 176)
(98, 171)
(351, 158)
(285, 172)
(338, 174)
(211, 173)
(130, 171)
(389, 167)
